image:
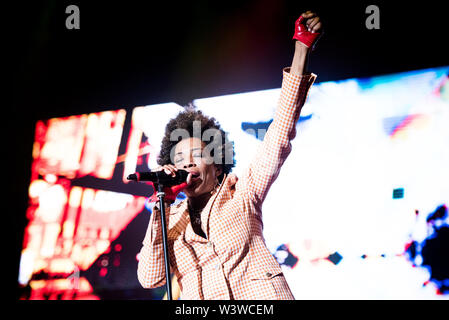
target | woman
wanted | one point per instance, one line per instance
(216, 245)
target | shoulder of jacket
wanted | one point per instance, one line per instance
(231, 179)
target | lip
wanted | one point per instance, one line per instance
(195, 179)
(195, 174)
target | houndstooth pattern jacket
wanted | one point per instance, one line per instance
(233, 262)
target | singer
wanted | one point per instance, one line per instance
(215, 240)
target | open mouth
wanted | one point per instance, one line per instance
(195, 180)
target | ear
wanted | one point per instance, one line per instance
(218, 170)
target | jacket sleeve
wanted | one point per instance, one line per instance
(271, 154)
(151, 268)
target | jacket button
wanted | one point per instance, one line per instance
(268, 275)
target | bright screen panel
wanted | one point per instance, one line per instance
(359, 210)
(368, 169)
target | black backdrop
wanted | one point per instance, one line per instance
(132, 53)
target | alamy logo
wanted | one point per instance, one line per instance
(73, 20)
(373, 20)
(216, 144)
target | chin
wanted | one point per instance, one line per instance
(191, 193)
(195, 192)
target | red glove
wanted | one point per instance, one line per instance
(170, 192)
(301, 34)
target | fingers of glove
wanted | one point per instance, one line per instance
(313, 24)
(308, 14)
(168, 169)
(316, 27)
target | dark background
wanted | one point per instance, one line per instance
(131, 53)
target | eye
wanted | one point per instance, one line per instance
(179, 160)
(197, 155)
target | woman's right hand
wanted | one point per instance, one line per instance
(168, 169)
(170, 192)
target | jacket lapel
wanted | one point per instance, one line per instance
(178, 219)
(192, 236)
(223, 193)
(189, 234)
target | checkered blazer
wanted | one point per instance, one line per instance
(233, 262)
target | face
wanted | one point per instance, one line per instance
(189, 156)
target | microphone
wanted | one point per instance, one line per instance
(160, 177)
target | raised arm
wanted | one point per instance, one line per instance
(300, 59)
(306, 34)
(275, 148)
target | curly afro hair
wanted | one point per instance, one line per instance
(188, 122)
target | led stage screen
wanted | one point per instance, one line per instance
(359, 210)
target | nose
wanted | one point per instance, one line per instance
(190, 165)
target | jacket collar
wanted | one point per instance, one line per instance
(182, 209)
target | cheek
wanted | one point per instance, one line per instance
(212, 174)
(206, 170)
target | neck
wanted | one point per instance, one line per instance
(199, 202)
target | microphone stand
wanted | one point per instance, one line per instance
(161, 195)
